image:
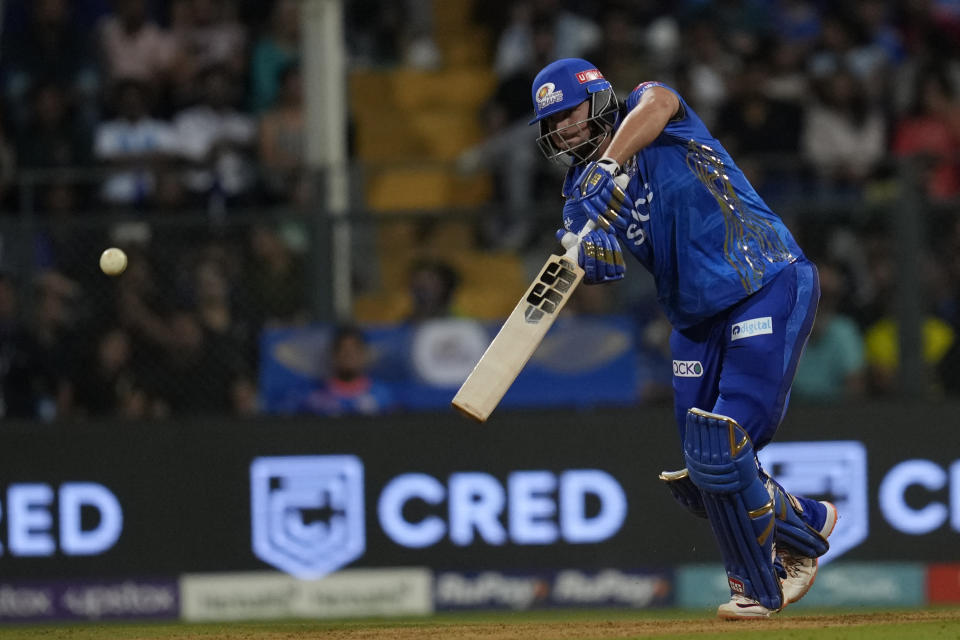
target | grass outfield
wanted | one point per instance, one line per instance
(912, 624)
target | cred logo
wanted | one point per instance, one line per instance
(687, 368)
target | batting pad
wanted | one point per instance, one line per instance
(721, 463)
(790, 529)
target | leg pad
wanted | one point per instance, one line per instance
(790, 530)
(722, 465)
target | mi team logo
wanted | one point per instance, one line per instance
(548, 293)
(548, 94)
(307, 513)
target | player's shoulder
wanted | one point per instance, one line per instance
(648, 85)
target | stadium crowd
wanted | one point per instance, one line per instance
(190, 111)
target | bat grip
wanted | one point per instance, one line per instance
(571, 241)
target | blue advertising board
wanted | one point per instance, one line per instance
(582, 362)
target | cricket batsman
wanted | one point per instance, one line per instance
(739, 292)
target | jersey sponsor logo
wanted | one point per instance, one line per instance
(640, 214)
(308, 513)
(547, 95)
(588, 75)
(687, 369)
(750, 328)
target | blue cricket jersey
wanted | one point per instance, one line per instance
(700, 228)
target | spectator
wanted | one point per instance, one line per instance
(8, 162)
(373, 31)
(514, 50)
(797, 22)
(23, 380)
(762, 130)
(788, 80)
(513, 166)
(655, 372)
(110, 387)
(134, 47)
(845, 47)
(216, 310)
(206, 34)
(433, 284)
(51, 49)
(882, 343)
(947, 300)
(932, 130)
(275, 52)
(843, 136)
(706, 71)
(574, 34)
(569, 34)
(282, 140)
(882, 337)
(203, 375)
(832, 366)
(420, 50)
(53, 136)
(275, 280)
(216, 140)
(134, 143)
(348, 389)
(620, 52)
(53, 332)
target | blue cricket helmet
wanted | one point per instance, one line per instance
(564, 84)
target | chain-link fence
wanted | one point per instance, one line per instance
(179, 332)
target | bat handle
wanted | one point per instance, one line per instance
(571, 241)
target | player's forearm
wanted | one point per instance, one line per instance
(643, 124)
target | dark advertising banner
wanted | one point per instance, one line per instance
(40, 601)
(528, 492)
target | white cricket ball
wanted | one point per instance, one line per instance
(113, 261)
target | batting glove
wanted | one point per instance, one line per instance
(573, 215)
(599, 256)
(602, 199)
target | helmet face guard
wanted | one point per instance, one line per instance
(564, 85)
(601, 119)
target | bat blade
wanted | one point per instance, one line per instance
(518, 338)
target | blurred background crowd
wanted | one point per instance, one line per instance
(175, 129)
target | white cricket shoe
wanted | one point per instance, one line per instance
(801, 570)
(742, 608)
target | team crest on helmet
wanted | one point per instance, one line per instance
(547, 95)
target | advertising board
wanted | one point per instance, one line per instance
(529, 491)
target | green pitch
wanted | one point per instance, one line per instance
(912, 624)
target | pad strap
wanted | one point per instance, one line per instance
(684, 491)
(721, 463)
(791, 530)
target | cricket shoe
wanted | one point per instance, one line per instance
(741, 607)
(801, 570)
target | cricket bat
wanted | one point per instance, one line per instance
(522, 332)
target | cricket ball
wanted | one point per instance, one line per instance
(113, 261)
